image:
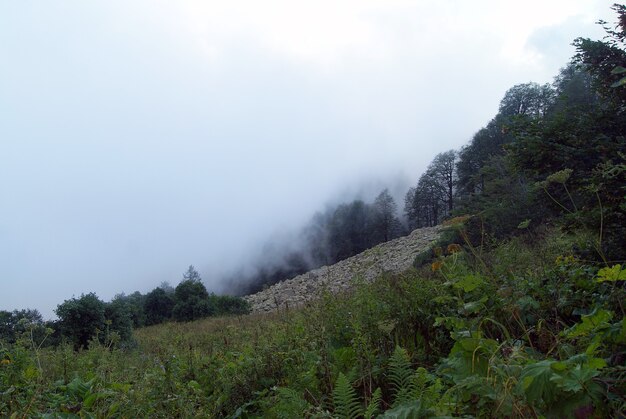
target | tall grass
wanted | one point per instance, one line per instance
(526, 331)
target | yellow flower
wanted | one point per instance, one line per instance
(435, 266)
(454, 248)
(5, 362)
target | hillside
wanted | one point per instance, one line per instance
(517, 313)
(393, 256)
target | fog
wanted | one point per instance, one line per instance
(139, 137)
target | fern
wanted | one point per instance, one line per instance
(401, 377)
(373, 406)
(408, 384)
(409, 410)
(345, 399)
(287, 403)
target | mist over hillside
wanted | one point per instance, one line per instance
(342, 229)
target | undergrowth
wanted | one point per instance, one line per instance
(524, 330)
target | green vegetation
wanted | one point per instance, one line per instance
(518, 311)
(527, 329)
(87, 318)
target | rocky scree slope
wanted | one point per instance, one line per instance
(393, 256)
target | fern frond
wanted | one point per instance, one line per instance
(401, 376)
(289, 404)
(426, 387)
(346, 401)
(409, 410)
(374, 404)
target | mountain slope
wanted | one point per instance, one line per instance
(393, 256)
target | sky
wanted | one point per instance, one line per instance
(138, 137)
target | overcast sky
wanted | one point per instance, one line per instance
(139, 137)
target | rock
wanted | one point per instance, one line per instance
(393, 256)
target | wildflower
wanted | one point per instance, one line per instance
(560, 177)
(5, 362)
(435, 266)
(454, 248)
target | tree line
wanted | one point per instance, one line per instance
(501, 177)
(83, 319)
(330, 236)
(553, 151)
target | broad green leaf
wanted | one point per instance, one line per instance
(612, 274)
(618, 70)
(596, 363)
(597, 319)
(575, 379)
(474, 306)
(469, 283)
(470, 344)
(558, 366)
(535, 381)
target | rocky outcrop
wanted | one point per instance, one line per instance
(393, 256)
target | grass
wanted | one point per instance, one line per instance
(525, 331)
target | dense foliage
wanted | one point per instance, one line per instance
(524, 330)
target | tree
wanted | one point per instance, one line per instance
(485, 144)
(230, 305)
(191, 299)
(165, 286)
(191, 274)
(604, 59)
(386, 224)
(134, 306)
(81, 319)
(528, 99)
(444, 170)
(158, 306)
(574, 91)
(422, 203)
(349, 230)
(118, 318)
(316, 238)
(432, 198)
(16, 323)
